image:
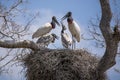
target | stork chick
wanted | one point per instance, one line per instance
(65, 38)
(45, 40)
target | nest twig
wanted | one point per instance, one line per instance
(62, 64)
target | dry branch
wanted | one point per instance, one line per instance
(12, 29)
(22, 44)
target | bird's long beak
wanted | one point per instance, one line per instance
(64, 17)
(56, 22)
(63, 26)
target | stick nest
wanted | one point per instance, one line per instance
(63, 64)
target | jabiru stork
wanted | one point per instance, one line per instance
(65, 38)
(46, 28)
(45, 40)
(74, 28)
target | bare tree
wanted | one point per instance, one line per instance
(111, 41)
(109, 38)
(94, 25)
(11, 30)
(95, 31)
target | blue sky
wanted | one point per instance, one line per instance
(83, 11)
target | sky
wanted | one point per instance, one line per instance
(83, 11)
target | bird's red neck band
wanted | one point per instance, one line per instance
(70, 22)
(53, 27)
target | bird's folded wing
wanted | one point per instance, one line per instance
(42, 30)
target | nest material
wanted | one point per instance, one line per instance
(62, 64)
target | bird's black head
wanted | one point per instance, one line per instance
(54, 20)
(69, 14)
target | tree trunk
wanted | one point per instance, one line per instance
(108, 59)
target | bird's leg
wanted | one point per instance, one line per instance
(74, 43)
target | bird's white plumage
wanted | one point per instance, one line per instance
(75, 30)
(66, 40)
(42, 30)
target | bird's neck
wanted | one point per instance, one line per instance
(62, 31)
(53, 24)
(70, 20)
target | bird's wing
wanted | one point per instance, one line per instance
(66, 40)
(42, 31)
(67, 37)
(77, 27)
(44, 39)
(77, 36)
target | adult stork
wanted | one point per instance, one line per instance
(45, 40)
(46, 28)
(73, 28)
(65, 38)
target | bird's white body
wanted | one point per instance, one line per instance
(45, 40)
(42, 30)
(66, 40)
(75, 30)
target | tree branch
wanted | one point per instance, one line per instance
(105, 20)
(15, 5)
(22, 44)
(108, 59)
